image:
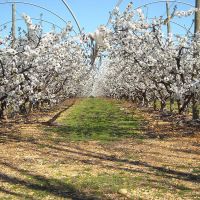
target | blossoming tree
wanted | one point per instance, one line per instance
(40, 68)
(146, 66)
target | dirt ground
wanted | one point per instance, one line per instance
(163, 163)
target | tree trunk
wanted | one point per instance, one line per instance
(162, 105)
(3, 112)
(22, 109)
(154, 104)
(171, 104)
(30, 107)
(195, 111)
(179, 106)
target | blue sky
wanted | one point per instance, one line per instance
(90, 13)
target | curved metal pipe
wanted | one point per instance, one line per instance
(73, 15)
(37, 20)
(183, 27)
(154, 2)
(164, 1)
(117, 5)
(8, 22)
(31, 4)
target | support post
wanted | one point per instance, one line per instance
(168, 17)
(13, 24)
(197, 18)
(195, 111)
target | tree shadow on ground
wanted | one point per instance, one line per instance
(40, 183)
(189, 151)
(59, 188)
(15, 137)
(157, 170)
(95, 132)
(12, 193)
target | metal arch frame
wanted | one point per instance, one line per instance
(73, 15)
(117, 5)
(8, 22)
(119, 2)
(164, 1)
(170, 1)
(154, 2)
(53, 13)
(159, 1)
(183, 27)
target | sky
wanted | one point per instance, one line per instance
(89, 13)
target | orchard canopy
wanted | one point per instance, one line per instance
(132, 57)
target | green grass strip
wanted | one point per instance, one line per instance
(96, 119)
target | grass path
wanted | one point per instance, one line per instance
(96, 151)
(96, 119)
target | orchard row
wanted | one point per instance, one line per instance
(140, 63)
(40, 68)
(146, 66)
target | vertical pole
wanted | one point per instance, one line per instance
(195, 111)
(197, 17)
(13, 24)
(168, 18)
(168, 33)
